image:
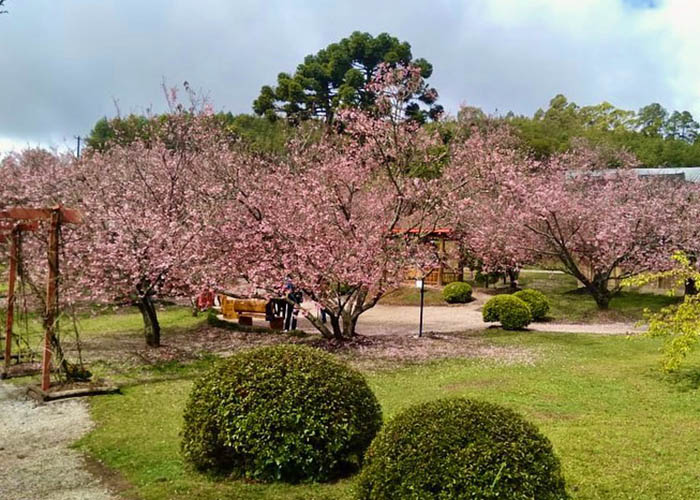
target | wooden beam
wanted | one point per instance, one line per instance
(68, 215)
(23, 213)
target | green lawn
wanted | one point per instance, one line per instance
(622, 429)
(570, 304)
(410, 296)
(127, 321)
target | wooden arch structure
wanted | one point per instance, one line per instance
(13, 221)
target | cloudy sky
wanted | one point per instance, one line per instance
(64, 63)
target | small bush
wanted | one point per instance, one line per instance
(538, 302)
(487, 279)
(289, 413)
(457, 292)
(458, 448)
(512, 312)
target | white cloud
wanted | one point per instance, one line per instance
(64, 62)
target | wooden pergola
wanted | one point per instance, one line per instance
(14, 221)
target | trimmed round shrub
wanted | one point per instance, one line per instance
(457, 292)
(512, 312)
(538, 302)
(459, 448)
(287, 413)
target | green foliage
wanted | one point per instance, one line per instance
(287, 413)
(459, 448)
(539, 305)
(457, 292)
(334, 77)
(570, 304)
(654, 136)
(679, 324)
(512, 312)
(258, 133)
(487, 279)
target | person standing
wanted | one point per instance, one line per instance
(293, 299)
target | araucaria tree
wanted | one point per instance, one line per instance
(337, 76)
(334, 215)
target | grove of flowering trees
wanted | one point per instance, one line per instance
(343, 211)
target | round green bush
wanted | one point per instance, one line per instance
(538, 302)
(287, 413)
(457, 292)
(512, 312)
(458, 448)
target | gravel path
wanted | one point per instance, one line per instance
(391, 320)
(35, 461)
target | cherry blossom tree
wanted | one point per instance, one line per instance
(612, 222)
(335, 215)
(481, 205)
(150, 213)
(38, 178)
(150, 216)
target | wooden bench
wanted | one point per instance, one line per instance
(244, 310)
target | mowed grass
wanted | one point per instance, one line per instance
(410, 296)
(622, 429)
(126, 321)
(571, 304)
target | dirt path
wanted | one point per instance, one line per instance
(382, 320)
(35, 460)
(398, 320)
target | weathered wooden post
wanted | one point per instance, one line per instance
(14, 257)
(51, 297)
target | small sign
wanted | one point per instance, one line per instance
(419, 283)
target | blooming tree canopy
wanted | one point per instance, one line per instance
(600, 224)
(482, 200)
(334, 215)
(150, 216)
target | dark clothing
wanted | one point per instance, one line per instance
(274, 308)
(291, 310)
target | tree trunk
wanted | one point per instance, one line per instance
(335, 323)
(599, 289)
(691, 287)
(151, 327)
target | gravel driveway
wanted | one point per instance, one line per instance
(35, 461)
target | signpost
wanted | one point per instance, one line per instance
(420, 283)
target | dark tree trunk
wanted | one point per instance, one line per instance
(602, 299)
(151, 327)
(599, 289)
(691, 287)
(337, 330)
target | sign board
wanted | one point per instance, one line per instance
(419, 283)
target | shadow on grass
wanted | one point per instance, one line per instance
(684, 380)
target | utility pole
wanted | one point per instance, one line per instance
(78, 149)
